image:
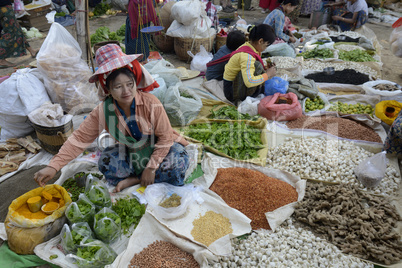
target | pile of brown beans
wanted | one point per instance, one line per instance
(163, 254)
(252, 193)
(340, 127)
(210, 227)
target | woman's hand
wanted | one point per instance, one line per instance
(271, 72)
(148, 177)
(292, 39)
(44, 175)
(336, 18)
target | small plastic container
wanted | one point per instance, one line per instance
(329, 70)
(49, 211)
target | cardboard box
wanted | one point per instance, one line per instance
(36, 18)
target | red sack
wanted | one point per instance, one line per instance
(280, 107)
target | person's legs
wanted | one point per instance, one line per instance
(173, 168)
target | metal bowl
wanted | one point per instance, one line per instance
(329, 70)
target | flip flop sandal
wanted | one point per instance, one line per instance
(250, 9)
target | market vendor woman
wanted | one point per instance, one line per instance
(148, 149)
(351, 15)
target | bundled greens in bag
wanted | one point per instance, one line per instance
(81, 211)
(97, 192)
(107, 226)
(71, 238)
(92, 254)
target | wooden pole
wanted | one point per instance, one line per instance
(88, 35)
(80, 26)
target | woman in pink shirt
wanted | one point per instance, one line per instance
(148, 149)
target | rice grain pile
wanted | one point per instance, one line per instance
(252, 193)
(341, 127)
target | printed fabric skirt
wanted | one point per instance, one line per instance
(308, 7)
(114, 163)
(343, 12)
(139, 45)
(12, 41)
(393, 143)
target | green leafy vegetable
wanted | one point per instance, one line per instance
(122, 31)
(99, 196)
(101, 8)
(107, 226)
(237, 140)
(73, 189)
(130, 211)
(230, 112)
(94, 254)
(356, 55)
(186, 95)
(317, 53)
(101, 34)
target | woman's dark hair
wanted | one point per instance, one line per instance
(115, 73)
(263, 31)
(291, 2)
(235, 39)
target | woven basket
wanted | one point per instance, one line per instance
(163, 42)
(52, 138)
(220, 42)
(182, 45)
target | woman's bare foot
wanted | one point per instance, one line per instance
(130, 181)
(32, 51)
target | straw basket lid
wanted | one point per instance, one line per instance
(187, 74)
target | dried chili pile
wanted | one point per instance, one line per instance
(252, 193)
(163, 254)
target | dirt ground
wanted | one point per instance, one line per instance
(23, 181)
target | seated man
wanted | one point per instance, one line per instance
(216, 68)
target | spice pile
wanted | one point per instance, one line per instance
(388, 87)
(252, 193)
(327, 160)
(163, 254)
(210, 227)
(341, 127)
(346, 76)
(356, 222)
(287, 246)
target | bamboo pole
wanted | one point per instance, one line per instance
(88, 35)
(80, 26)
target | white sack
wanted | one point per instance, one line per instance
(211, 163)
(199, 28)
(185, 12)
(14, 126)
(250, 105)
(369, 89)
(49, 115)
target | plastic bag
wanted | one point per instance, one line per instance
(185, 12)
(71, 238)
(250, 105)
(107, 225)
(157, 193)
(181, 104)
(65, 73)
(165, 70)
(81, 211)
(280, 112)
(312, 44)
(371, 170)
(160, 91)
(369, 89)
(396, 41)
(97, 192)
(324, 99)
(275, 85)
(200, 60)
(281, 49)
(99, 253)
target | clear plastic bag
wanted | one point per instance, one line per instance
(107, 225)
(200, 60)
(371, 171)
(181, 104)
(81, 211)
(97, 254)
(250, 105)
(97, 192)
(65, 73)
(157, 193)
(275, 85)
(281, 49)
(71, 238)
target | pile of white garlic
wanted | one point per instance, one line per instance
(329, 160)
(317, 65)
(287, 246)
(286, 62)
(350, 34)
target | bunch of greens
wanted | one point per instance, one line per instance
(107, 226)
(80, 211)
(73, 189)
(95, 254)
(186, 95)
(317, 53)
(130, 212)
(103, 33)
(122, 31)
(356, 55)
(230, 112)
(71, 240)
(101, 8)
(237, 139)
(99, 196)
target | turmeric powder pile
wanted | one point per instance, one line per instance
(32, 208)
